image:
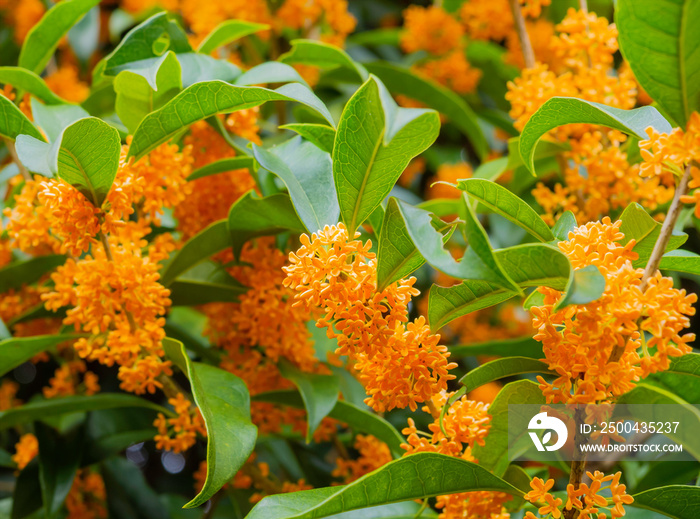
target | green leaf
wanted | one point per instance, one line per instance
(53, 119)
(228, 32)
(59, 458)
(197, 68)
(493, 455)
(138, 94)
(220, 166)
(680, 261)
(129, 496)
(545, 149)
(27, 272)
(639, 226)
(321, 135)
(208, 98)
(42, 409)
(502, 368)
(356, 417)
(585, 285)
(400, 80)
(374, 143)
(201, 246)
(15, 351)
(224, 402)
(150, 39)
(688, 364)
(23, 79)
(323, 55)
(565, 224)
(319, 392)
(251, 216)
(206, 282)
(43, 38)
(405, 510)
(397, 256)
(26, 497)
(676, 501)
(84, 36)
(523, 347)
(418, 476)
(307, 172)
(270, 72)
(659, 41)
(529, 265)
(13, 122)
(559, 111)
(501, 201)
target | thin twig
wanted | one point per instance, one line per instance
(521, 29)
(10, 144)
(433, 410)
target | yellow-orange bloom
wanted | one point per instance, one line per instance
(374, 454)
(87, 496)
(65, 83)
(26, 450)
(178, 434)
(431, 29)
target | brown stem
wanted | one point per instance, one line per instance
(660, 246)
(259, 480)
(578, 465)
(10, 144)
(583, 4)
(342, 451)
(433, 410)
(521, 29)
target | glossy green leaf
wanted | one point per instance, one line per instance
(545, 149)
(53, 119)
(357, 418)
(397, 256)
(321, 135)
(269, 72)
(148, 40)
(252, 216)
(31, 83)
(206, 282)
(223, 399)
(688, 364)
(501, 201)
(228, 32)
(502, 368)
(659, 41)
(404, 510)
(418, 476)
(522, 347)
(307, 172)
(587, 284)
(18, 350)
(129, 496)
(42, 409)
(565, 224)
(681, 261)
(197, 68)
(374, 143)
(402, 81)
(84, 36)
(201, 246)
(208, 98)
(676, 501)
(13, 122)
(493, 455)
(384, 36)
(59, 459)
(638, 225)
(138, 94)
(323, 55)
(220, 166)
(529, 265)
(28, 271)
(559, 111)
(319, 393)
(43, 38)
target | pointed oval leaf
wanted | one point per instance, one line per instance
(374, 142)
(660, 43)
(53, 119)
(13, 122)
(323, 55)
(675, 501)
(307, 172)
(18, 350)
(321, 135)
(559, 111)
(401, 80)
(43, 38)
(681, 261)
(206, 282)
(23, 79)
(418, 476)
(228, 32)
(501, 201)
(27, 272)
(638, 225)
(502, 368)
(208, 98)
(59, 459)
(585, 285)
(224, 401)
(565, 224)
(270, 72)
(688, 364)
(319, 392)
(220, 166)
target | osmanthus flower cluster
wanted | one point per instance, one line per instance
(400, 363)
(586, 499)
(578, 340)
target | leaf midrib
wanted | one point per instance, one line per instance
(85, 175)
(365, 179)
(681, 61)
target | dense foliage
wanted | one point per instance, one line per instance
(288, 259)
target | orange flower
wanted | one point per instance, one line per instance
(180, 433)
(431, 29)
(8, 390)
(533, 8)
(487, 19)
(25, 450)
(87, 497)
(66, 84)
(26, 14)
(450, 174)
(244, 123)
(453, 71)
(66, 379)
(373, 455)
